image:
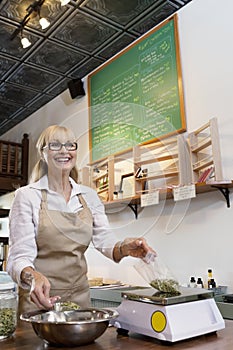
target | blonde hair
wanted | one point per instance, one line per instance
(41, 168)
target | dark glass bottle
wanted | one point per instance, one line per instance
(210, 276)
(212, 284)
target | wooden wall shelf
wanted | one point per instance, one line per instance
(134, 203)
(169, 163)
(13, 164)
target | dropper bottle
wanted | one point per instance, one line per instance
(200, 283)
(192, 282)
(211, 281)
(210, 277)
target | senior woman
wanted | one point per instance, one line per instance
(53, 219)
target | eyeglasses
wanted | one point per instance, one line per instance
(57, 146)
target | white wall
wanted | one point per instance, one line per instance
(190, 236)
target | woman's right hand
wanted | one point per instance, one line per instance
(39, 288)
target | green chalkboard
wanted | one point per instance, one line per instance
(137, 97)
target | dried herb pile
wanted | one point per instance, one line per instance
(166, 286)
(7, 321)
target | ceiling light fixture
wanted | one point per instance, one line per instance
(25, 42)
(33, 10)
(44, 23)
(64, 2)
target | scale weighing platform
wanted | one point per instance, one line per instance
(169, 318)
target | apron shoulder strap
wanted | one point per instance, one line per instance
(82, 201)
(43, 203)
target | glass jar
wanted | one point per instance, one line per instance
(8, 306)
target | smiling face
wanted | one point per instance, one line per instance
(60, 161)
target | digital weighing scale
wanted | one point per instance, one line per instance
(169, 318)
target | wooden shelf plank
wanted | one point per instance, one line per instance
(159, 176)
(167, 193)
(159, 159)
(202, 146)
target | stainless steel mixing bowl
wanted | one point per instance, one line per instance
(70, 328)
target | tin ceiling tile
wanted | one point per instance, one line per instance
(19, 95)
(7, 109)
(58, 88)
(56, 57)
(121, 12)
(117, 45)
(82, 35)
(85, 32)
(86, 68)
(155, 17)
(33, 77)
(6, 65)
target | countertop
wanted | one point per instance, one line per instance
(25, 339)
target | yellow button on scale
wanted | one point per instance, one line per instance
(158, 321)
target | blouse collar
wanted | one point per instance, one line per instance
(42, 184)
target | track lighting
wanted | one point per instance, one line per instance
(32, 12)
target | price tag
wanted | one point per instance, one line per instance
(150, 198)
(184, 192)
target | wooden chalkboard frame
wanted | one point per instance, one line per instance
(107, 127)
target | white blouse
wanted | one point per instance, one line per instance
(24, 218)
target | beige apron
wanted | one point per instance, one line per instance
(62, 240)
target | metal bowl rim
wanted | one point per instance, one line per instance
(28, 317)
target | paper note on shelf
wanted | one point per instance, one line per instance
(218, 182)
(184, 192)
(151, 198)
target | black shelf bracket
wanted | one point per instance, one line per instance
(226, 193)
(134, 208)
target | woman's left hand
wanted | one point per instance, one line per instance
(136, 247)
